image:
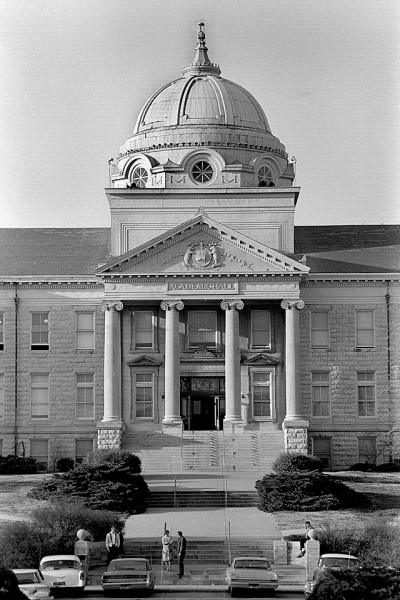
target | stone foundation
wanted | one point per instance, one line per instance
(296, 436)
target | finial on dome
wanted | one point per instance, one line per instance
(201, 63)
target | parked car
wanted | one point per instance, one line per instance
(251, 573)
(128, 574)
(330, 561)
(32, 584)
(63, 571)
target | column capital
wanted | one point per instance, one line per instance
(105, 306)
(292, 304)
(231, 304)
(172, 305)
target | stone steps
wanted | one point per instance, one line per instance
(197, 498)
(206, 451)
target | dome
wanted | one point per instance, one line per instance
(202, 130)
(201, 107)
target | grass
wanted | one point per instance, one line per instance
(381, 489)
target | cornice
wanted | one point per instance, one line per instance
(360, 281)
(48, 285)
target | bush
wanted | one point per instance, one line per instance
(112, 484)
(304, 491)
(363, 584)
(335, 539)
(52, 531)
(17, 465)
(117, 458)
(287, 462)
(65, 464)
(362, 467)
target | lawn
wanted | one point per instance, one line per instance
(381, 489)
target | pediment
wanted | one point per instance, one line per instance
(144, 361)
(202, 246)
(261, 360)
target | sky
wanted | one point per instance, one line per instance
(75, 73)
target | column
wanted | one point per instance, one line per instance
(172, 414)
(232, 361)
(295, 426)
(111, 426)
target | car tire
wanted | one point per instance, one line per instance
(233, 592)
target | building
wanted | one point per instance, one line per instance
(204, 318)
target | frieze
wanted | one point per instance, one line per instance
(193, 367)
(211, 287)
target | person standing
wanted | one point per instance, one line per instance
(181, 551)
(113, 542)
(166, 541)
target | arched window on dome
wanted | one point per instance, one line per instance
(265, 177)
(202, 171)
(140, 177)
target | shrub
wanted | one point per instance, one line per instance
(363, 584)
(113, 484)
(336, 539)
(117, 458)
(362, 467)
(296, 462)
(17, 465)
(52, 531)
(64, 464)
(304, 491)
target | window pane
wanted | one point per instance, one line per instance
(144, 395)
(319, 320)
(1, 396)
(202, 328)
(82, 448)
(39, 450)
(320, 329)
(260, 329)
(143, 329)
(85, 395)
(365, 319)
(365, 329)
(1, 331)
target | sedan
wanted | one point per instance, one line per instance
(63, 571)
(32, 584)
(125, 574)
(251, 573)
(333, 561)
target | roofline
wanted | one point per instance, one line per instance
(354, 276)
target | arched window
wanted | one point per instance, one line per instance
(202, 171)
(140, 177)
(265, 177)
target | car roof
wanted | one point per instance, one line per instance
(250, 558)
(336, 555)
(129, 559)
(61, 557)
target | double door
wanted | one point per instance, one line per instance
(202, 403)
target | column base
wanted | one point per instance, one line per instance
(109, 434)
(173, 426)
(233, 426)
(296, 435)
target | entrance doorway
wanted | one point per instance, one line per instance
(202, 403)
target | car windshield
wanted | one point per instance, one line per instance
(251, 564)
(342, 563)
(28, 578)
(56, 565)
(128, 565)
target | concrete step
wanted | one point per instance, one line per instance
(200, 498)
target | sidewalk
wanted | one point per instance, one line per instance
(208, 523)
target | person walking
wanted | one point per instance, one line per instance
(113, 542)
(181, 551)
(311, 534)
(166, 541)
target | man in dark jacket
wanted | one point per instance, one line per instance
(181, 550)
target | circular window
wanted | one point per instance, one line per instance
(140, 177)
(264, 176)
(202, 171)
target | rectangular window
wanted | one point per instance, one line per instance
(85, 396)
(1, 396)
(320, 329)
(322, 450)
(40, 451)
(144, 393)
(1, 331)
(320, 394)
(143, 330)
(40, 331)
(203, 329)
(367, 450)
(82, 448)
(85, 330)
(40, 396)
(366, 394)
(365, 337)
(260, 329)
(262, 394)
